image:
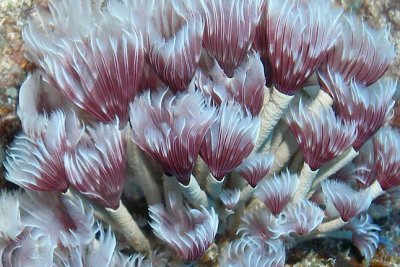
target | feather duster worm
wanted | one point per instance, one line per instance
(188, 231)
(97, 64)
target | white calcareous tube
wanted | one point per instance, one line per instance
(270, 115)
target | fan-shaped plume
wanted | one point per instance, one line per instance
(57, 217)
(255, 167)
(276, 192)
(331, 81)
(139, 260)
(246, 86)
(300, 218)
(37, 99)
(230, 198)
(321, 136)
(149, 79)
(365, 235)
(348, 202)
(32, 248)
(98, 70)
(37, 226)
(174, 45)
(137, 15)
(37, 163)
(369, 108)
(10, 223)
(387, 157)
(157, 258)
(100, 77)
(135, 259)
(48, 32)
(98, 253)
(188, 231)
(97, 167)
(360, 53)
(259, 224)
(134, 14)
(293, 38)
(171, 128)
(239, 18)
(248, 252)
(363, 169)
(229, 140)
(142, 15)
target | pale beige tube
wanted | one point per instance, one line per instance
(120, 221)
(145, 179)
(375, 190)
(306, 179)
(194, 194)
(296, 161)
(322, 100)
(280, 131)
(283, 154)
(270, 116)
(200, 170)
(267, 95)
(98, 212)
(334, 165)
(129, 229)
(331, 226)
